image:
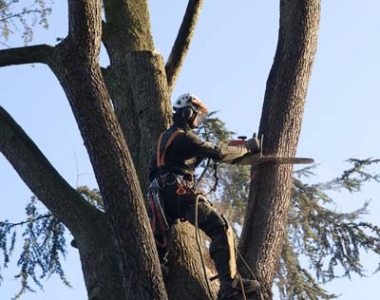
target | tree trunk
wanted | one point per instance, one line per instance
(135, 79)
(269, 199)
(123, 201)
(186, 276)
(137, 83)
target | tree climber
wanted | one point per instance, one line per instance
(179, 151)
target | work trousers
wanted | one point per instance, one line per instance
(180, 201)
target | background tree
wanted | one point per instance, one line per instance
(15, 16)
(136, 83)
(331, 242)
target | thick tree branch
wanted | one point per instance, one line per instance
(264, 229)
(25, 55)
(126, 29)
(85, 26)
(182, 42)
(96, 250)
(39, 175)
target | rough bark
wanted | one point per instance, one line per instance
(115, 175)
(108, 152)
(126, 29)
(182, 43)
(267, 213)
(139, 93)
(149, 89)
(25, 55)
(186, 268)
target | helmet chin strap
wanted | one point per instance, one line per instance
(191, 121)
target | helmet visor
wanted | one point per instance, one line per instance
(198, 106)
(199, 118)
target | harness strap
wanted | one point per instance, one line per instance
(158, 220)
(161, 156)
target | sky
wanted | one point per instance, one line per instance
(227, 67)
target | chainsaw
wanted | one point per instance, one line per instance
(260, 158)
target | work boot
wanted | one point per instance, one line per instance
(231, 283)
(237, 286)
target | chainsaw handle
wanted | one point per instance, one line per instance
(239, 142)
(236, 143)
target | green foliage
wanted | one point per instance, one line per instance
(213, 130)
(43, 245)
(92, 196)
(331, 243)
(233, 192)
(22, 16)
(294, 281)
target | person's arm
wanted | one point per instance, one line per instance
(230, 153)
(225, 154)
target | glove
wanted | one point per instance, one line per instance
(253, 145)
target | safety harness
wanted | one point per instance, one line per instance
(161, 153)
(158, 222)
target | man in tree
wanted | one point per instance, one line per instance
(179, 152)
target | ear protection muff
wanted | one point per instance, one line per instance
(187, 113)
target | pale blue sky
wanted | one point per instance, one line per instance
(227, 67)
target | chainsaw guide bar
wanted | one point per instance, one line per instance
(258, 159)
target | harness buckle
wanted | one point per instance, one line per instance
(181, 190)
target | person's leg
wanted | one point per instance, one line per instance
(215, 227)
(222, 248)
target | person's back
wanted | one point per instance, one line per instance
(186, 151)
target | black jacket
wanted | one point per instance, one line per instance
(187, 150)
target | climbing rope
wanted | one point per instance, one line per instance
(250, 271)
(199, 246)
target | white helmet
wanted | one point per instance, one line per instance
(191, 109)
